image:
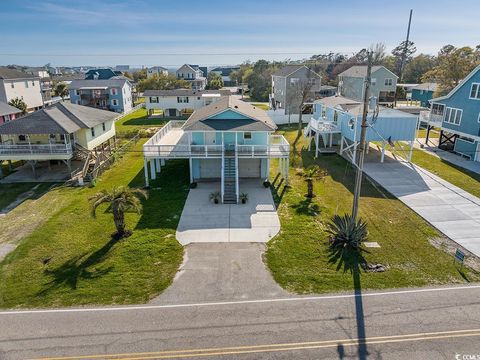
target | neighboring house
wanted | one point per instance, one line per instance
(285, 82)
(17, 84)
(423, 93)
(225, 141)
(112, 94)
(351, 84)
(180, 102)
(67, 79)
(101, 74)
(458, 116)
(224, 72)
(194, 75)
(52, 133)
(336, 125)
(327, 90)
(8, 113)
(156, 70)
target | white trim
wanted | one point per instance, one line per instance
(455, 89)
(449, 120)
(477, 93)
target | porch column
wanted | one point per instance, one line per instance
(268, 169)
(309, 140)
(286, 172)
(354, 156)
(341, 145)
(153, 175)
(367, 147)
(382, 158)
(162, 162)
(316, 144)
(157, 165)
(331, 139)
(190, 163)
(145, 169)
(428, 134)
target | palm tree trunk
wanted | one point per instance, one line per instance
(119, 219)
(309, 188)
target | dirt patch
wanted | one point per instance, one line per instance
(449, 246)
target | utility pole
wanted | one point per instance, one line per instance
(405, 49)
(362, 144)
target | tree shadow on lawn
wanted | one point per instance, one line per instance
(341, 171)
(166, 196)
(143, 120)
(351, 262)
(81, 267)
(307, 207)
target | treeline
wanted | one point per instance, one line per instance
(447, 68)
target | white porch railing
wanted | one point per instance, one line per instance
(173, 124)
(429, 117)
(8, 149)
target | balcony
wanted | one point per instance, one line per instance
(35, 151)
(172, 142)
(431, 118)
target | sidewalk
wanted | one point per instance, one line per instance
(455, 159)
(453, 211)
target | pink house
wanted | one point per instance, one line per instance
(8, 113)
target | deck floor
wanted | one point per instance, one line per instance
(172, 137)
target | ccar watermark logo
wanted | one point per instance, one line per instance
(467, 357)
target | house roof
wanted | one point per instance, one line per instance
(6, 109)
(332, 101)
(103, 74)
(454, 90)
(426, 86)
(184, 92)
(160, 68)
(290, 69)
(76, 84)
(258, 120)
(7, 73)
(192, 67)
(60, 118)
(361, 71)
(383, 112)
(225, 70)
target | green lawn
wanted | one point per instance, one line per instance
(261, 106)
(299, 256)
(10, 192)
(434, 133)
(129, 125)
(69, 257)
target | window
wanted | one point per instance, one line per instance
(26, 84)
(247, 135)
(437, 109)
(453, 116)
(22, 138)
(12, 84)
(182, 99)
(92, 130)
(311, 81)
(77, 92)
(103, 127)
(294, 81)
(154, 99)
(475, 91)
(466, 139)
(115, 102)
(374, 81)
(6, 118)
(113, 91)
(33, 83)
(388, 82)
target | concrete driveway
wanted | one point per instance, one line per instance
(222, 272)
(453, 211)
(203, 221)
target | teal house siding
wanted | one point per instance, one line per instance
(198, 138)
(465, 148)
(424, 96)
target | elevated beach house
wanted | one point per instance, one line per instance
(457, 114)
(225, 141)
(57, 132)
(336, 125)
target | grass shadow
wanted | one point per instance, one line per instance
(81, 267)
(307, 207)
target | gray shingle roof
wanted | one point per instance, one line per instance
(6, 109)
(287, 70)
(184, 92)
(60, 118)
(258, 118)
(76, 84)
(7, 73)
(332, 101)
(360, 71)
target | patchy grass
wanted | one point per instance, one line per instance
(261, 106)
(129, 125)
(434, 133)
(10, 192)
(299, 256)
(70, 258)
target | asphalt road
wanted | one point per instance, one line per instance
(436, 323)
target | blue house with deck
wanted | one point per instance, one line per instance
(457, 114)
(423, 93)
(226, 141)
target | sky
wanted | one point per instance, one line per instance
(171, 33)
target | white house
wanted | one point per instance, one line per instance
(180, 102)
(194, 75)
(156, 70)
(17, 84)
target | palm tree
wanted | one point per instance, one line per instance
(121, 199)
(311, 173)
(347, 235)
(60, 89)
(19, 104)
